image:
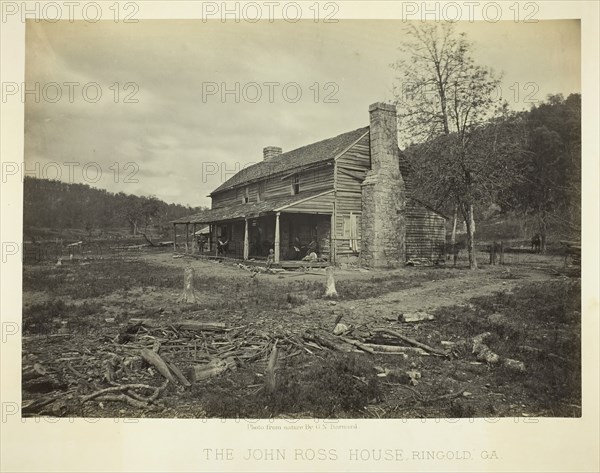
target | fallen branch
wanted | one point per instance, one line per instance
(413, 342)
(123, 398)
(327, 342)
(114, 389)
(182, 325)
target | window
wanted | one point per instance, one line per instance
(295, 184)
(246, 196)
(350, 231)
(260, 195)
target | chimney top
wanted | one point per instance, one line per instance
(386, 107)
(270, 152)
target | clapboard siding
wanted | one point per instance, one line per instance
(225, 198)
(425, 233)
(311, 180)
(351, 169)
(322, 204)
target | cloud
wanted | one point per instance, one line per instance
(172, 130)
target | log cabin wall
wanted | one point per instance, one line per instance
(279, 185)
(351, 169)
(425, 233)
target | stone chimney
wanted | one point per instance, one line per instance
(383, 194)
(271, 152)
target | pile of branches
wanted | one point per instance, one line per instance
(148, 356)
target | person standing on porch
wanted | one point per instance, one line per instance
(222, 246)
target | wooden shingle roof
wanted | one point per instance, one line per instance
(296, 159)
(247, 210)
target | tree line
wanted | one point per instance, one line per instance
(58, 205)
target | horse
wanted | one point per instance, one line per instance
(454, 250)
(536, 243)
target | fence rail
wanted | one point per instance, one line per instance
(40, 252)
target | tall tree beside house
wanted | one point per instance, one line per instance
(448, 100)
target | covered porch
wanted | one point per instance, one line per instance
(290, 227)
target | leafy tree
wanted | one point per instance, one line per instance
(550, 190)
(446, 99)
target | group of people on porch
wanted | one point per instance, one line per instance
(297, 251)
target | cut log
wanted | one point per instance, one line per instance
(482, 351)
(177, 372)
(514, 365)
(396, 349)
(155, 360)
(188, 295)
(330, 291)
(214, 368)
(413, 342)
(358, 344)
(415, 317)
(341, 329)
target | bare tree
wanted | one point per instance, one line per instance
(444, 93)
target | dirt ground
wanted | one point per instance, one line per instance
(78, 340)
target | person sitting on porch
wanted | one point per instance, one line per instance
(312, 247)
(222, 246)
(270, 258)
(296, 249)
(312, 257)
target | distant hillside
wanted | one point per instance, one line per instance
(52, 207)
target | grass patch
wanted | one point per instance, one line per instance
(539, 324)
(49, 317)
(337, 385)
(379, 285)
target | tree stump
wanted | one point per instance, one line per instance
(270, 374)
(188, 286)
(330, 291)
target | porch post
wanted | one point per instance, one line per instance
(277, 237)
(174, 237)
(193, 238)
(332, 240)
(187, 237)
(246, 243)
(216, 241)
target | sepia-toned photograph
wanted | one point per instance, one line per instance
(352, 219)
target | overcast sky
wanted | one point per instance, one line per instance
(184, 144)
